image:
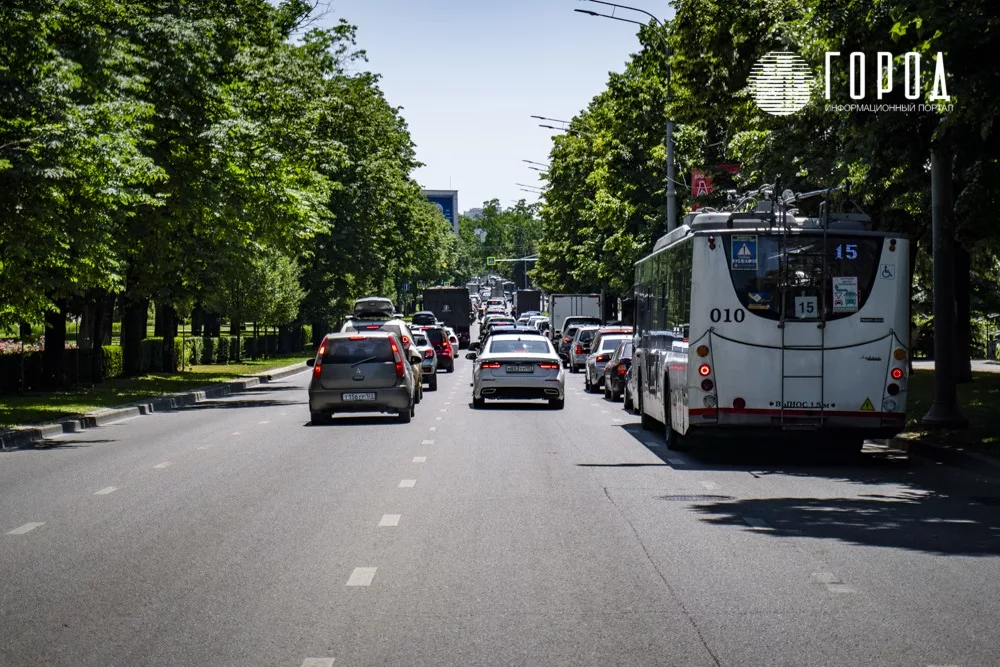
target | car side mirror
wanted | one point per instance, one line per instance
(416, 359)
(473, 347)
(470, 355)
(310, 362)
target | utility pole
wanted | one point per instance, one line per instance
(944, 411)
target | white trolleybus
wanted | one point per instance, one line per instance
(764, 318)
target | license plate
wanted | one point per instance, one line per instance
(366, 396)
(520, 369)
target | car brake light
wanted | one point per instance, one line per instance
(491, 364)
(565, 340)
(355, 338)
(317, 369)
(548, 366)
(373, 326)
(406, 340)
(622, 370)
(704, 370)
(322, 349)
(579, 349)
(602, 357)
(400, 372)
(429, 354)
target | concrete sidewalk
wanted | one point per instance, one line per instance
(980, 365)
(23, 436)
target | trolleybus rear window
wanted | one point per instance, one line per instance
(760, 272)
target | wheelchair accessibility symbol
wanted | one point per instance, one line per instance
(887, 271)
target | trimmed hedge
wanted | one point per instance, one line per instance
(307, 337)
(208, 345)
(222, 350)
(113, 365)
(234, 348)
(151, 355)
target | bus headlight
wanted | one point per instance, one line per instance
(710, 401)
(888, 405)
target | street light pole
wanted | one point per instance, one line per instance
(671, 191)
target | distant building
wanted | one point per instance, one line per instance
(474, 213)
(447, 203)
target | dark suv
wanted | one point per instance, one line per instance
(424, 318)
(442, 346)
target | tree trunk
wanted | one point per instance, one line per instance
(158, 320)
(963, 314)
(166, 317)
(196, 314)
(319, 330)
(25, 330)
(54, 353)
(133, 332)
(213, 327)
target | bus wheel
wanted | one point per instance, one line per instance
(674, 440)
(647, 422)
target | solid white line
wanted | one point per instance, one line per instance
(362, 576)
(389, 520)
(106, 490)
(26, 528)
(163, 465)
(407, 483)
(318, 662)
(427, 442)
(710, 485)
(755, 523)
(420, 459)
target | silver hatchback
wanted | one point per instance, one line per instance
(362, 372)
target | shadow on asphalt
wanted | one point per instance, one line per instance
(366, 420)
(232, 405)
(511, 405)
(940, 510)
(56, 445)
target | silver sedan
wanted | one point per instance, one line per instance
(518, 366)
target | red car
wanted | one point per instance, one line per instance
(442, 346)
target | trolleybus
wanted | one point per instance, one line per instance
(766, 318)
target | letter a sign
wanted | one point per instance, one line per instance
(700, 183)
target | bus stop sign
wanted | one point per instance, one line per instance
(490, 261)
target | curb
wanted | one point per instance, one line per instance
(956, 458)
(20, 438)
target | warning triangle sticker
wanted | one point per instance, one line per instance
(744, 251)
(867, 405)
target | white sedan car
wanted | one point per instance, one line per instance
(518, 366)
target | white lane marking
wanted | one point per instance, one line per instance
(755, 523)
(106, 490)
(710, 485)
(26, 528)
(427, 442)
(407, 483)
(389, 520)
(283, 414)
(447, 403)
(826, 578)
(204, 446)
(674, 462)
(264, 422)
(616, 421)
(434, 428)
(165, 464)
(362, 576)
(444, 409)
(438, 418)
(605, 412)
(235, 433)
(318, 662)
(839, 588)
(420, 459)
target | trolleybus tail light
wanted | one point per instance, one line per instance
(888, 405)
(899, 354)
(707, 385)
(711, 243)
(892, 245)
(893, 389)
(896, 373)
(702, 350)
(739, 403)
(710, 401)
(704, 370)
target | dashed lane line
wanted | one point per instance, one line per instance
(420, 459)
(362, 576)
(264, 422)
(389, 520)
(235, 433)
(427, 442)
(434, 428)
(161, 466)
(106, 490)
(26, 528)
(318, 662)
(407, 483)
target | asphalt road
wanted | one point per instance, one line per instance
(234, 533)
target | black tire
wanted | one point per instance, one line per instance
(647, 422)
(419, 394)
(586, 383)
(405, 415)
(478, 403)
(607, 392)
(318, 418)
(451, 367)
(628, 400)
(557, 403)
(573, 368)
(432, 383)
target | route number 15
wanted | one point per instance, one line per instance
(806, 306)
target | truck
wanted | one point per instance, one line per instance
(451, 305)
(562, 306)
(527, 299)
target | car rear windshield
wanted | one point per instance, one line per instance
(609, 344)
(436, 336)
(515, 346)
(587, 335)
(344, 351)
(758, 272)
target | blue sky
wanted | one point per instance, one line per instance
(469, 73)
